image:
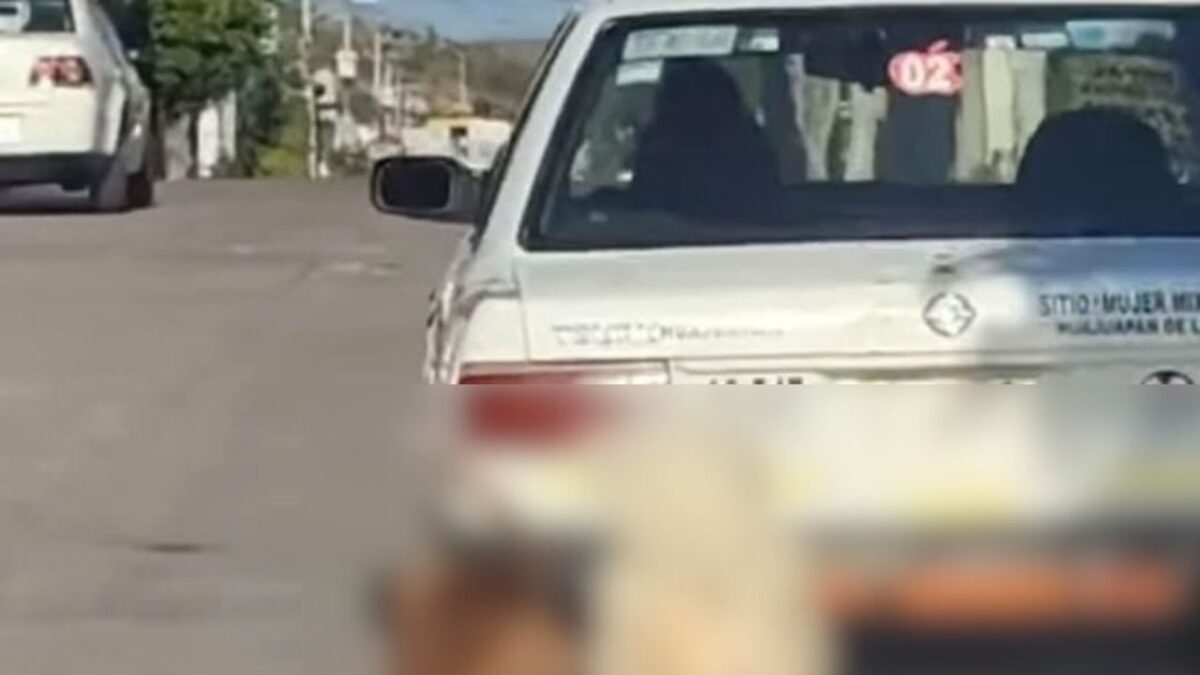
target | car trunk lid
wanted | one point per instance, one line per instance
(1003, 307)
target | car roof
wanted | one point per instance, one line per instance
(615, 9)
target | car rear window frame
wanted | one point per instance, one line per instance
(70, 25)
(495, 176)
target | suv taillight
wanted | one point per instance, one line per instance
(546, 411)
(61, 71)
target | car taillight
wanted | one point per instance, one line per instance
(61, 71)
(530, 418)
(547, 410)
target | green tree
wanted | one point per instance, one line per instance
(202, 50)
(261, 115)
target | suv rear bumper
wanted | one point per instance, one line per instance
(62, 169)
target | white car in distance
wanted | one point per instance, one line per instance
(795, 192)
(73, 111)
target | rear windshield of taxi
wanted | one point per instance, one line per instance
(878, 124)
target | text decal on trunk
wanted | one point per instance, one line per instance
(1152, 312)
(650, 333)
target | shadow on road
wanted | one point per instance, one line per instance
(41, 201)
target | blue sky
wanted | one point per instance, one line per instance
(470, 19)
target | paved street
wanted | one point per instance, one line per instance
(201, 414)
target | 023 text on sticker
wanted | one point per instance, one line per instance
(936, 71)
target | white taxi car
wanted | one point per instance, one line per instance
(73, 111)
(790, 191)
(828, 191)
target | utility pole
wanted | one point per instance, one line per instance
(464, 92)
(348, 73)
(377, 65)
(464, 87)
(377, 81)
(403, 92)
(394, 93)
(310, 98)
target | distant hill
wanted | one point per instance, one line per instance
(501, 71)
(498, 73)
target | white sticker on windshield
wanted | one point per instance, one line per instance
(1047, 40)
(1105, 34)
(666, 43)
(761, 41)
(639, 72)
(1000, 42)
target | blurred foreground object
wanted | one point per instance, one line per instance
(700, 577)
(476, 617)
(770, 531)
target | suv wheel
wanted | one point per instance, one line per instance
(110, 192)
(141, 189)
(141, 184)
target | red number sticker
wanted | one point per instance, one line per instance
(933, 72)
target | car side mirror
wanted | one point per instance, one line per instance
(428, 188)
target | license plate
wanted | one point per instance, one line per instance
(10, 130)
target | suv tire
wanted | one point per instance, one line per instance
(110, 191)
(141, 189)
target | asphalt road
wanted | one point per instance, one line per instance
(202, 416)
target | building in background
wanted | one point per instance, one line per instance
(475, 141)
(216, 142)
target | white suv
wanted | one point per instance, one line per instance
(73, 110)
(788, 191)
